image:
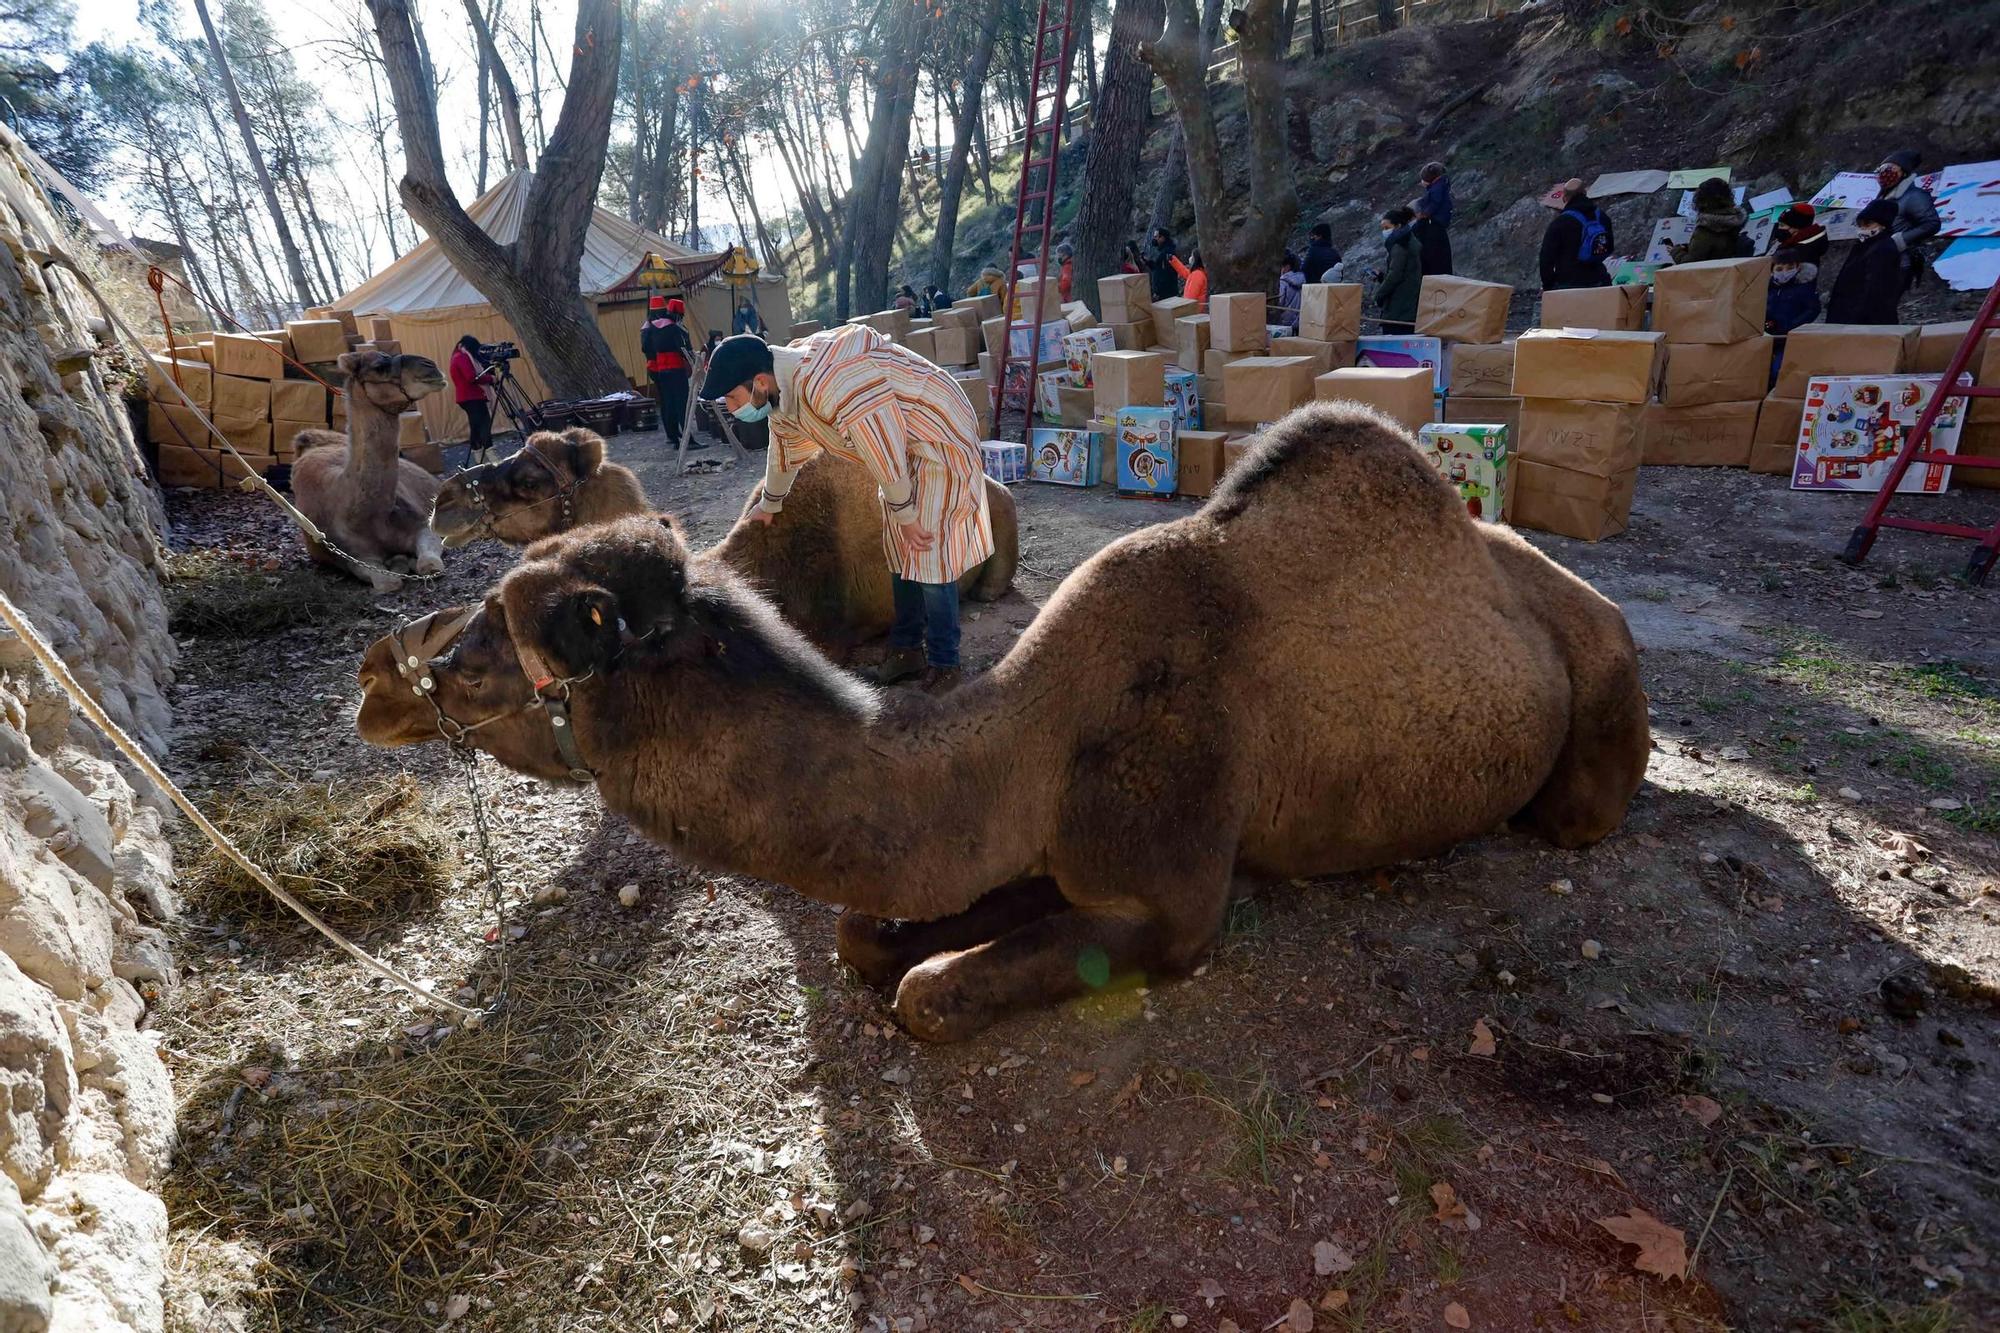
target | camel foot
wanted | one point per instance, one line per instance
(383, 582)
(933, 1003)
(881, 950)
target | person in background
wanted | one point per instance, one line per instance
(1066, 274)
(940, 299)
(470, 381)
(1797, 228)
(1193, 276)
(1718, 224)
(669, 356)
(1916, 212)
(1401, 278)
(1577, 243)
(748, 320)
(1159, 257)
(1793, 299)
(1433, 212)
(852, 393)
(1130, 260)
(1291, 288)
(990, 282)
(1871, 281)
(906, 299)
(1321, 262)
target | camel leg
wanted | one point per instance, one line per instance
(1069, 953)
(882, 950)
(430, 553)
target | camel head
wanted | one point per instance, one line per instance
(393, 384)
(521, 498)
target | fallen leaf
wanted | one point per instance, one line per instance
(1591, 950)
(1329, 1259)
(1446, 1199)
(1482, 1039)
(1662, 1249)
(1082, 1078)
(1299, 1319)
(1126, 1093)
(971, 1287)
(1455, 1315)
(256, 1075)
(1901, 846)
(1229, 1326)
(456, 1308)
(1705, 1110)
(1732, 752)
(1210, 1290)
(1334, 1300)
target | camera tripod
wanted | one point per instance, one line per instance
(510, 398)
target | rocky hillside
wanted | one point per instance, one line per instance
(86, 1120)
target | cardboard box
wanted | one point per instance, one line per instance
(1399, 351)
(1330, 311)
(1129, 379)
(984, 306)
(1936, 344)
(1005, 461)
(1462, 310)
(345, 318)
(1602, 366)
(1572, 504)
(339, 415)
(1133, 336)
(192, 374)
(1776, 442)
(1215, 359)
(280, 341)
(379, 328)
(1080, 347)
(183, 466)
(1817, 350)
(1191, 335)
(1403, 393)
(285, 432)
(323, 339)
(957, 316)
(1325, 356)
(167, 424)
(1146, 453)
(1125, 291)
(1987, 376)
(1198, 459)
(1707, 435)
(249, 437)
(989, 367)
(1595, 308)
(410, 429)
(1474, 461)
(298, 400)
(924, 343)
(1233, 450)
(1714, 301)
(1487, 412)
(1265, 388)
(1480, 370)
(955, 344)
(993, 335)
(891, 324)
(1075, 405)
(1064, 457)
(248, 358)
(1166, 313)
(1578, 435)
(1701, 373)
(1039, 300)
(1236, 321)
(389, 348)
(241, 399)
(1979, 441)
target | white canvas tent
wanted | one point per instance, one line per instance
(430, 305)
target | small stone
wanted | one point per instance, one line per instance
(628, 896)
(1849, 794)
(756, 1239)
(457, 1308)
(898, 1074)
(1904, 996)
(1593, 950)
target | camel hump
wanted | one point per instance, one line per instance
(1332, 456)
(313, 438)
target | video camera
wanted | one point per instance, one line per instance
(492, 352)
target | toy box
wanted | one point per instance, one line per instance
(1854, 426)
(1473, 459)
(1146, 453)
(1080, 346)
(1184, 397)
(1401, 351)
(1003, 460)
(1065, 457)
(1048, 404)
(1017, 388)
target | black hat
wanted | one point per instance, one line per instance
(1881, 211)
(736, 361)
(1906, 159)
(1788, 254)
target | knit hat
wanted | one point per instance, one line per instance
(1713, 193)
(1797, 215)
(735, 362)
(656, 302)
(677, 307)
(1879, 211)
(1905, 160)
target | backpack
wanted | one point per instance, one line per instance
(1596, 244)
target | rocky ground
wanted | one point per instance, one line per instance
(1734, 1067)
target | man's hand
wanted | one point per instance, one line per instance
(762, 515)
(918, 538)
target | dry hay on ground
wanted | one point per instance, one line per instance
(355, 852)
(212, 594)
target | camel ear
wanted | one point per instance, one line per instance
(580, 630)
(586, 450)
(349, 361)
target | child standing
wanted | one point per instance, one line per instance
(1793, 299)
(1871, 281)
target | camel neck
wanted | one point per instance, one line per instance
(371, 450)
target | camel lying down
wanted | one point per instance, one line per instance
(822, 562)
(1327, 668)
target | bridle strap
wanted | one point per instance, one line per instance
(553, 693)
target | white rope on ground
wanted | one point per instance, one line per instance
(56, 667)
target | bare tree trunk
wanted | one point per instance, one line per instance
(292, 262)
(876, 198)
(1319, 27)
(485, 119)
(532, 282)
(1087, 41)
(1174, 177)
(1117, 133)
(964, 119)
(503, 86)
(1287, 26)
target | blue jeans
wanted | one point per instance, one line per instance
(926, 616)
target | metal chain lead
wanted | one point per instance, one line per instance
(469, 759)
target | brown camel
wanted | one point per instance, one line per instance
(1327, 668)
(821, 562)
(362, 493)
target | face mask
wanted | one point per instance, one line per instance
(1783, 274)
(751, 412)
(1870, 233)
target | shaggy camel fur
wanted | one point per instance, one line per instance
(362, 493)
(1327, 668)
(821, 562)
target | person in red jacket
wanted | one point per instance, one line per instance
(670, 361)
(470, 378)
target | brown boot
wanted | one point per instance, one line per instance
(900, 665)
(940, 680)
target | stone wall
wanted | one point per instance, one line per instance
(86, 1112)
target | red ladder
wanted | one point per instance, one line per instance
(1041, 149)
(1916, 450)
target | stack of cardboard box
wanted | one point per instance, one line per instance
(1980, 436)
(1234, 331)
(1125, 302)
(1583, 398)
(1717, 361)
(1469, 320)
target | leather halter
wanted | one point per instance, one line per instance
(565, 493)
(434, 634)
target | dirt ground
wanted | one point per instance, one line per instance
(1763, 1013)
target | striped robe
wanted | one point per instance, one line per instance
(853, 393)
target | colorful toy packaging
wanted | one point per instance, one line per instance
(1081, 346)
(1400, 351)
(1184, 397)
(1146, 454)
(1065, 457)
(1048, 403)
(1473, 458)
(1017, 387)
(1855, 425)
(1003, 460)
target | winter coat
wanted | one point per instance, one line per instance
(1160, 270)
(1716, 233)
(1790, 304)
(1869, 285)
(988, 284)
(1436, 202)
(1916, 216)
(1291, 288)
(1402, 277)
(1562, 266)
(666, 345)
(1066, 278)
(1320, 256)
(1194, 281)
